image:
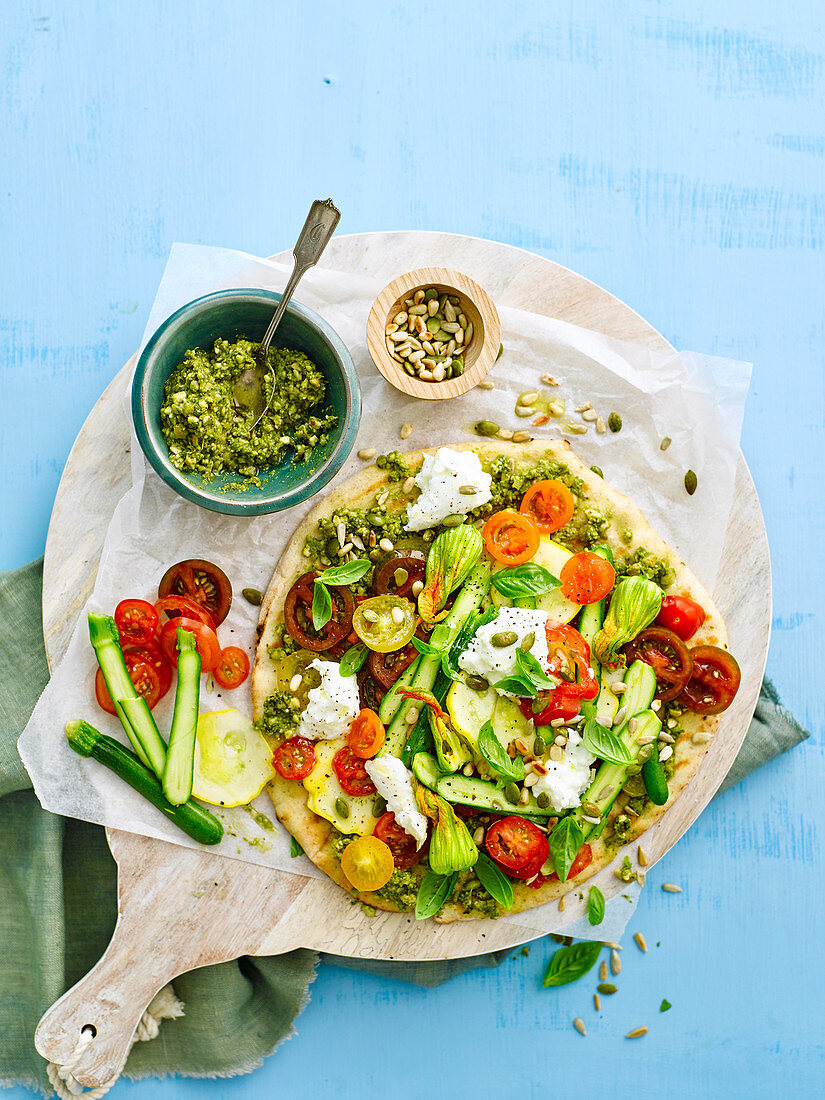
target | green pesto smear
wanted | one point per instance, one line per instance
(208, 434)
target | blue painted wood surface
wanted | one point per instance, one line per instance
(673, 153)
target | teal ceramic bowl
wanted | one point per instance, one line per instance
(232, 314)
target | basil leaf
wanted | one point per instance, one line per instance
(603, 743)
(427, 649)
(432, 893)
(346, 573)
(496, 755)
(571, 963)
(494, 881)
(352, 659)
(524, 581)
(321, 606)
(463, 639)
(665, 1005)
(295, 848)
(595, 905)
(515, 685)
(565, 841)
(530, 670)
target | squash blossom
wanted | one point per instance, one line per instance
(634, 605)
(452, 753)
(451, 846)
(452, 555)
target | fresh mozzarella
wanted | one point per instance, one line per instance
(482, 658)
(441, 479)
(394, 783)
(567, 779)
(332, 706)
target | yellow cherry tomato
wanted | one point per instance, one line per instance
(384, 623)
(367, 862)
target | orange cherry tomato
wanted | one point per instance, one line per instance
(510, 537)
(232, 668)
(586, 577)
(549, 504)
(366, 734)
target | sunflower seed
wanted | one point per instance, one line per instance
(531, 780)
(390, 329)
(671, 888)
(397, 337)
(367, 452)
(521, 437)
(620, 716)
(397, 616)
(700, 738)
(603, 971)
(468, 770)
(578, 1023)
(432, 307)
(641, 856)
(615, 963)
(504, 433)
(417, 588)
(632, 725)
(529, 398)
(641, 943)
(523, 410)
(385, 545)
(613, 946)
(478, 835)
(540, 420)
(556, 722)
(411, 717)
(555, 408)
(589, 415)
(666, 737)
(665, 754)
(597, 1002)
(601, 427)
(485, 385)
(358, 543)
(408, 486)
(575, 429)
(555, 753)
(400, 576)
(345, 549)
(637, 1033)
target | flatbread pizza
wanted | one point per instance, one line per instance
(482, 673)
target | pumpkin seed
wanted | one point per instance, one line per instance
(454, 520)
(614, 422)
(253, 596)
(691, 482)
(538, 744)
(477, 683)
(503, 639)
(486, 427)
(666, 442)
(527, 642)
(341, 808)
(597, 470)
(499, 354)
(511, 793)
(467, 490)
(607, 988)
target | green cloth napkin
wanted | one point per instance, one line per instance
(58, 903)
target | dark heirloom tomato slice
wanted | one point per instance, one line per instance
(582, 860)
(681, 615)
(387, 667)
(667, 655)
(400, 843)
(412, 563)
(298, 614)
(370, 691)
(136, 622)
(516, 844)
(351, 773)
(294, 758)
(714, 680)
(201, 581)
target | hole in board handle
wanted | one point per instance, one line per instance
(89, 1029)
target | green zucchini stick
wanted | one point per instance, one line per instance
(180, 758)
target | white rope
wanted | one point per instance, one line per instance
(164, 1006)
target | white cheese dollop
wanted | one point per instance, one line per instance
(567, 779)
(494, 662)
(440, 478)
(394, 783)
(332, 706)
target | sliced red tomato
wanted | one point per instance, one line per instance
(152, 653)
(714, 680)
(294, 758)
(136, 622)
(351, 773)
(582, 860)
(298, 614)
(146, 678)
(681, 615)
(549, 504)
(366, 734)
(510, 537)
(666, 654)
(586, 577)
(548, 705)
(400, 843)
(233, 667)
(175, 607)
(201, 581)
(569, 660)
(517, 846)
(206, 641)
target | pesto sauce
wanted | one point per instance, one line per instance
(643, 562)
(473, 898)
(279, 719)
(208, 434)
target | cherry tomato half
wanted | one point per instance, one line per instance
(510, 537)
(384, 623)
(586, 577)
(232, 668)
(516, 844)
(366, 734)
(582, 860)
(400, 843)
(367, 862)
(667, 655)
(569, 660)
(206, 642)
(145, 677)
(351, 773)
(714, 680)
(298, 614)
(201, 581)
(549, 504)
(548, 705)
(294, 758)
(152, 653)
(136, 622)
(681, 615)
(175, 607)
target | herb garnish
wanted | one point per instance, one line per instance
(565, 841)
(347, 573)
(595, 905)
(524, 581)
(494, 881)
(603, 743)
(571, 963)
(496, 755)
(432, 893)
(353, 659)
(529, 677)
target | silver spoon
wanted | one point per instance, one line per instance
(321, 221)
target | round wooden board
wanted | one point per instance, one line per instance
(242, 908)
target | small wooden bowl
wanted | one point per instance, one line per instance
(477, 305)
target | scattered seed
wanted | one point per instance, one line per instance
(620, 716)
(523, 410)
(656, 704)
(467, 490)
(592, 809)
(700, 738)
(556, 408)
(603, 971)
(370, 616)
(521, 437)
(607, 988)
(549, 380)
(641, 855)
(485, 385)
(575, 429)
(666, 442)
(367, 452)
(417, 588)
(341, 808)
(665, 754)
(400, 576)
(295, 682)
(668, 738)
(671, 723)
(411, 717)
(511, 793)
(578, 1023)
(597, 1002)
(640, 877)
(531, 780)
(406, 429)
(468, 770)
(358, 543)
(397, 616)
(504, 433)
(615, 962)
(641, 943)
(341, 532)
(584, 407)
(614, 422)
(408, 486)
(589, 416)
(637, 1033)
(560, 740)
(529, 398)
(486, 427)
(478, 835)
(601, 427)
(617, 689)
(503, 639)
(253, 596)
(691, 481)
(345, 549)
(385, 545)
(632, 725)
(541, 419)
(671, 888)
